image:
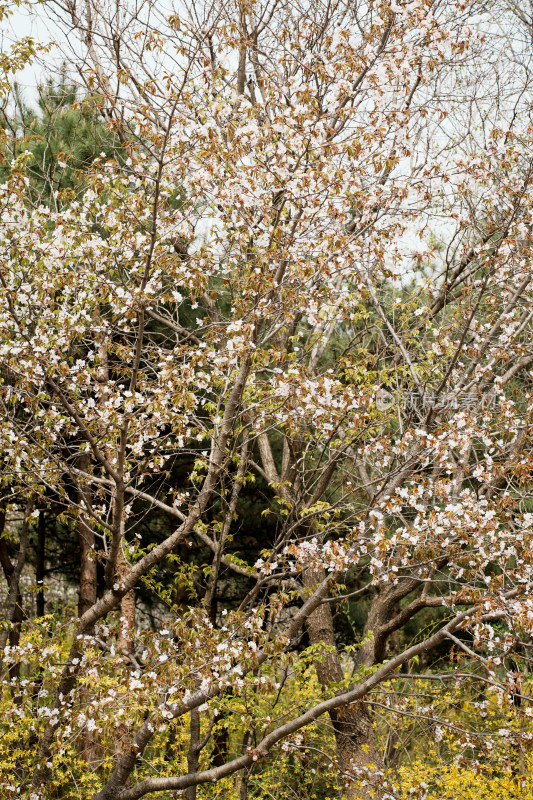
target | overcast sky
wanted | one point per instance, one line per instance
(30, 21)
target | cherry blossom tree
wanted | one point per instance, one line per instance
(312, 271)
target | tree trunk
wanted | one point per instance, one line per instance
(40, 565)
(14, 640)
(193, 756)
(355, 739)
(87, 590)
(125, 645)
(126, 641)
(13, 572)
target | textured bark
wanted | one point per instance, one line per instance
(245, 775)
(126, 641)
(193, 756)
(86, 593)
(125, 645)
(14, 640)
(13, 572)
(88, 582)
(354, 733)
(40, 565)
(5, 557)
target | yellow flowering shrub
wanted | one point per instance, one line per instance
(453, 782)
(447, 744)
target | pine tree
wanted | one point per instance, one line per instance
(65, 135)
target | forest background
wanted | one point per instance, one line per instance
(266, 402)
